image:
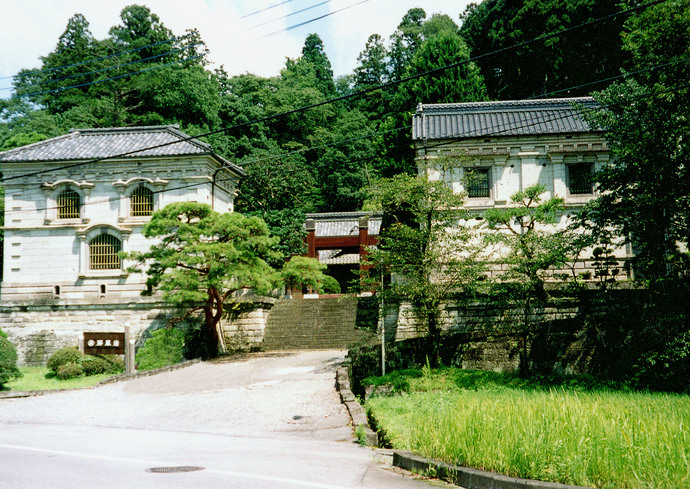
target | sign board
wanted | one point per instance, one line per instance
(104, 343)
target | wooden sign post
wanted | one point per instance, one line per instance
(111, 344)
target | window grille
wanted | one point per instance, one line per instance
(580, 179)
(142, 201)
(68, 204)
(103, 253)
(478, 183)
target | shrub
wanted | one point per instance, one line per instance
(95, 365)
(164, 347)
(116, 363)
(69, 371)
(63, 356)
(8, 361)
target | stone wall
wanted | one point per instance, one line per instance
(245, 327)
(39, 329)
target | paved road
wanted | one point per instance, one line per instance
(271, 420)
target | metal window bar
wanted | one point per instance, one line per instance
(580, 181)
(478, 183)
(142, 201)
(68, 204)
(103, 253)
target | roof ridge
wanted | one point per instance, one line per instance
(39, 143)
(343, 215)
(529, 103)
(107, 130)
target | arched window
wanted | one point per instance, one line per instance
(103, 252)
(141, 200)
(68, 204)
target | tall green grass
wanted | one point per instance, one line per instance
(586, 437)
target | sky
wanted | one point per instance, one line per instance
(243, 36)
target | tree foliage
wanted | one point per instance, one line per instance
(528, 241)
(645, 193)
(425, 248)
(563, 65)
(203, 257)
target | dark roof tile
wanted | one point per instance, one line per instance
(505, 118)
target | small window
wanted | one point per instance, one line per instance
(477, 183)
(103, 253)
(580, 179)
(141, 201)
(68, 204)
(103, 290)
(56, 291)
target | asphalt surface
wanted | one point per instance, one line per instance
(265, 420)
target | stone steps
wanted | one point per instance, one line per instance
(313, 324)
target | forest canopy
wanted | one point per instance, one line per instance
(317, 159)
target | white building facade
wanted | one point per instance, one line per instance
(508, 146)
(74, 202)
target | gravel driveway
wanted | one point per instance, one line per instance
(290, 394)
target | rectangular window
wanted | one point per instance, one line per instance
(580, 180)
(477, 183)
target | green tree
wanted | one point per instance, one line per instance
(462, 83)
(8, 361)
(425, 248)
(554, 64)
(202, 258)
(527, 239)
(372, 71)
(302, 271)
(645, 192)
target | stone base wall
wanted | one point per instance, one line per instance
(246, 326)
(37, 330)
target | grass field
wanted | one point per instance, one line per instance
(576, 433)
(34, 379)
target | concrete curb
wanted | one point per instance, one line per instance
(470, 478)
(111, 380)
(354, 408)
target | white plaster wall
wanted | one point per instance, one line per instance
(41, 251)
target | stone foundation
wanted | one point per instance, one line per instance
(37, 330)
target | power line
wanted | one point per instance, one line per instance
(172, 39)
(314, 19)
(265, 9)
(288, 15)
(104, 69)
(496, 131)
(345, 97)
(96, 82)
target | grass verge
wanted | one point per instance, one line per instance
(34, 379)
(572, 431)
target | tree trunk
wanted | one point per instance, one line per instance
(210, 322)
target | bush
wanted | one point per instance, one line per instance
(62, 357)
(95, 365)
(69, 371)
(8, 361)
(164, 347)
(116, 363)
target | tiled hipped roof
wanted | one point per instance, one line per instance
(120, 142)
(509, 118)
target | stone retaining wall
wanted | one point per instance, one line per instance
(39, 329)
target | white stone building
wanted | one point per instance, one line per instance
(509, 146)
(73, 202)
